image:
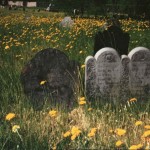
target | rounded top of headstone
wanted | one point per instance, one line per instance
(125, 59)
(67, 18)
(51, 57)
(67, 22)
(139, 53)
(124, 56)
(89, 58)
(106, 50)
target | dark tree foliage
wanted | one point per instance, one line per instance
(3, 2)
(98, 7)
(134, 8)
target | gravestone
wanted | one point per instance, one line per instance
(139, 71)
(124, 81)
(103, 70)
(90, 76)
(67, 22)
(58, 72)
(109, 76)
(108, 71)
(112, 37)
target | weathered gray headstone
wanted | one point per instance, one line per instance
(102, 73)
(108, 65)
(58, 72)
(139, 78)
(67, 22)
(108, 76)
(124, 82)
(90, 76)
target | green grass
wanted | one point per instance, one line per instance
(22, 35)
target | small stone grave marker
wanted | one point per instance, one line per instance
(67, 22)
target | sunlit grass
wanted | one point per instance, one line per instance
(86, 125)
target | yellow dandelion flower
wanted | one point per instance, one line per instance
(75, 130)
(93, 130)
(111, 131)
(118, 143)
(138, 123)
(15, 128)
(68, 133)
(89, 109)
(147, 147)
(53, 113)
(139, 146)
(71, 47)
(147, 126)
(82, 99)
(82, 66)
(146, 134)
(91, 134)
(133, 147)
(73, 137)
(7, 47)
(132, 100)
(136, 147)
(54, 147)
(120, 132)
(33, 49)
(42, 82)
(80, 52)
(10, 116)
(82, 102)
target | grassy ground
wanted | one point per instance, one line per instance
(91, 126)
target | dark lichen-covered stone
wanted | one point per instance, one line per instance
(58, 72)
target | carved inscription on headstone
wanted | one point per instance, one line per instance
(108, 71)
(139, 70)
